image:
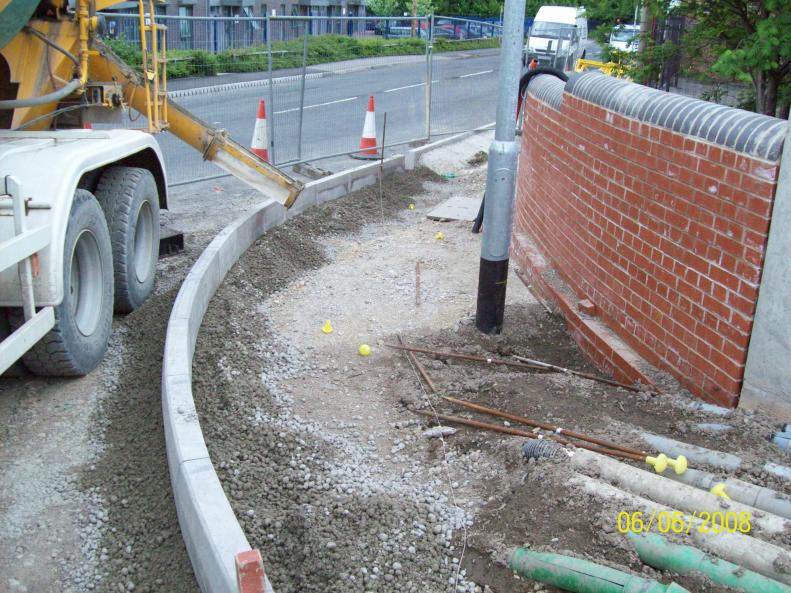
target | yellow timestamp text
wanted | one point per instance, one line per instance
(678, 522)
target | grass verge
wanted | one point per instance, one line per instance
(322, 49)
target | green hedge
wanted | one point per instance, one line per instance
(322, 49)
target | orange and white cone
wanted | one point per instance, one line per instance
(259, 143)
(368, 140)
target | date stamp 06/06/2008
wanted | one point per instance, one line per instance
(677, 522)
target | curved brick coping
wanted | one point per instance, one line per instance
(547, 89)
(757, 135)
(211, 533)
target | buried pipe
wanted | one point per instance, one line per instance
(581, 576)
(679, 496)
(760, 556)
(693, 453)
(703, 456)
(759, 497)
(657, 552)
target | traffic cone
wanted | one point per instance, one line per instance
(259, 143)
(368, 139)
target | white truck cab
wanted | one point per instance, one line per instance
(557, 37)
(625, 38)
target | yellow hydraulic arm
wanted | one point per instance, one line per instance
(215, 145)
(54, 57)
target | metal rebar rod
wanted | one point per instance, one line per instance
(469, 357)
(419, 367)
(302, 91)
(529, 435)
(555, 429)
(535, 365)
(429, 75)
(270, 121)
(557, 369)
(381, 168)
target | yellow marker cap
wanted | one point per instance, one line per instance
(659, 463)
(719, 490)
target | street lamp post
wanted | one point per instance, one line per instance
(501, 178)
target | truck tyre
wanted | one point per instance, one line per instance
(130, 201)
(83, 319)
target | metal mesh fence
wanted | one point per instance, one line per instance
(316, 75)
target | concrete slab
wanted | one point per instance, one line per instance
(456, 208)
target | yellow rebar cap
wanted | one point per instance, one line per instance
(719, 490)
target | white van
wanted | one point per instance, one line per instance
(557, 37)
(625, 38)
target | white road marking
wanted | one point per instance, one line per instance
(318, 105)
(409, 86)
(476, 74)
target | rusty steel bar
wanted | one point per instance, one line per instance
(555, 429)
(558, 369)
(530, 435)
(468, 357)
(419, 367)
(535, 365)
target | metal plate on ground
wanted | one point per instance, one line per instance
(456, 208)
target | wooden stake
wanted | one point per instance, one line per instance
(417, 284)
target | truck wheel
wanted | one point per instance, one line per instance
(83, 319)
(130, 201)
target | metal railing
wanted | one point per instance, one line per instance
(433, 75)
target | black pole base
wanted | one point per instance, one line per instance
(492, 281)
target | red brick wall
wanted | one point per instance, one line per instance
(663, 232)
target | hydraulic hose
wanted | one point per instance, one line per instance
(52, 44)
(523, 82)
(43, 99)
(581, 576)
(656, 551)
(526, 78)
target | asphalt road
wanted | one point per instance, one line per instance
(464, 96)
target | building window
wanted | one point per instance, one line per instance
(185, 26)
(264, 10)
(283, 9)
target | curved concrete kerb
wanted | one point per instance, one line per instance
(212, 535)
(209, 527)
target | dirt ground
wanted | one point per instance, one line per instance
(318, 448)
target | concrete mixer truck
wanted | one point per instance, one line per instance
(79, 208)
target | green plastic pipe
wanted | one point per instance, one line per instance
(656, 551)
(581, 576)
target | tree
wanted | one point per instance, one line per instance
(468, 7)
(384, 7)
(752, 42)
